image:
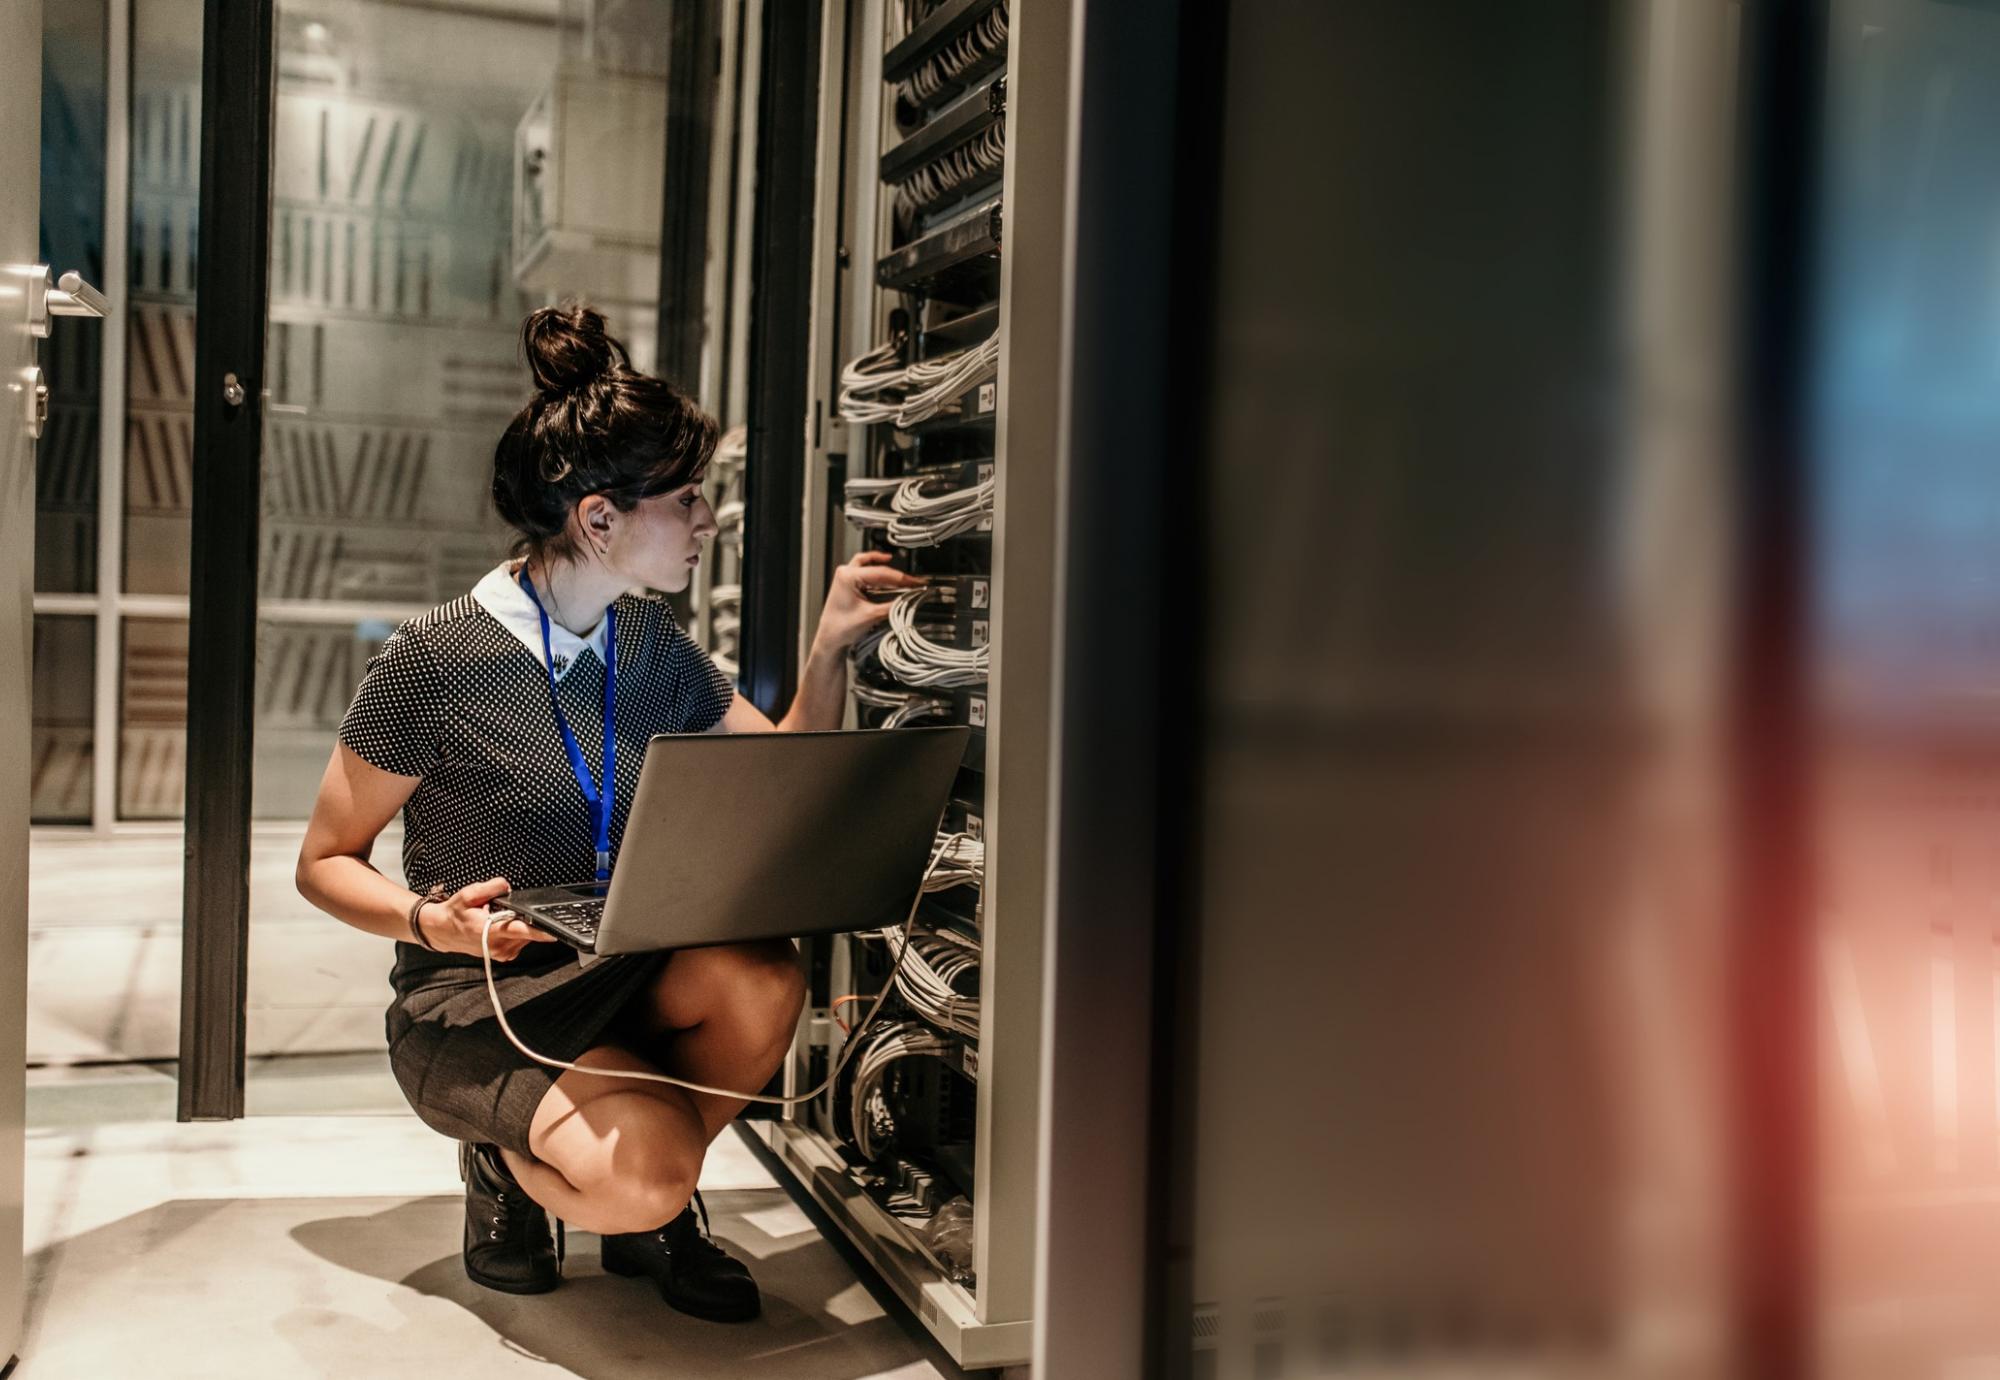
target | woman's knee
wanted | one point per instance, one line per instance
(765, 978)
(643, 1167)
(758, 982)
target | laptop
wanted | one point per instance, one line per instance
(740, 836)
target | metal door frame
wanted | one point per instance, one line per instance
(779, 327)
(238, 90)
(1115, 1242)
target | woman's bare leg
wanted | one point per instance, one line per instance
(612, 1154)
(724, 1016)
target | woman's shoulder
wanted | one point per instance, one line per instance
(647, 609)
(459, 627)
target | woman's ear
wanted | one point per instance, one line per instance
(596, 516)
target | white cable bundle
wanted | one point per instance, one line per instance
(883, 1047)
(918, 711)
(915, 516)
(981, 39)
(874, 695)
(910, 657)
(875, 389)
(927, 976)
(942, 175)
(866, 375)
(904, 706)
(956, 860)
(732, 448)
(866, 501)
(926, 519)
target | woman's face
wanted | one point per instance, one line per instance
(658, 543)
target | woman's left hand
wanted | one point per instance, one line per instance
(849, 611)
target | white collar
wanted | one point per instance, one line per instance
(499, 592)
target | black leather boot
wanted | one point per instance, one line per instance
(507, 1241)
(693, 1273)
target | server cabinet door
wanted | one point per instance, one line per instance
(20, 400)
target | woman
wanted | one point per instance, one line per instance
(484, 722)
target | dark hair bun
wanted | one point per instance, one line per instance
(593, 426)
(568, 348)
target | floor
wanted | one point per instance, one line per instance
(318, 1236)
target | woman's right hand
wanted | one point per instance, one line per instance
(455, 924)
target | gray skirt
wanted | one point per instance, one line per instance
(455, 1065)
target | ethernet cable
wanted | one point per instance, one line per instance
(904, 706)
(941, 176)
(846, 1053)
(900, 1040)
(926, 519)
(915, 514)
(931, 78)
(875, 389)
(910, 657)
(732, 449)
(958, 860)
(926, 970)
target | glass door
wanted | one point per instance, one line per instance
(419, 210)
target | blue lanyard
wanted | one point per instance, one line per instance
(600, 797)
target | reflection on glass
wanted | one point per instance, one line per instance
(59, 758)
(392, 355)
(72, 238)
(166, 165)
(152, 719)
(306, 674)
(419, 210)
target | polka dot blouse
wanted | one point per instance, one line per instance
(458, 700)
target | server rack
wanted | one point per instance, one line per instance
(937, 241)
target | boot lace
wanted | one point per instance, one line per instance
(699, 1241)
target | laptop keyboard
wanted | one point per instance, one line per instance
(579, 917)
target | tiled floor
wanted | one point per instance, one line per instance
(318, 1237)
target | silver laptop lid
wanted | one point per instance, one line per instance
(741, 836)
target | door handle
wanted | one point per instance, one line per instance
(70, 297)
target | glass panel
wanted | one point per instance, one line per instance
(306, 674)
(419, 210)
(152, 719)
(159, 427)
(65, 671)
(72, 238)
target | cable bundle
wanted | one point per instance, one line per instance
(941, 70)
(914, 12)
(913, 517)
(904, 706)
(908, 656)
(881, 1047)
(867, 501)
(731, 450)
(876, 388)
(725, 620)
(939, 177)
(927, 977)
(956, 860)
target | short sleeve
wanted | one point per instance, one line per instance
(702, 693)
(392, 723)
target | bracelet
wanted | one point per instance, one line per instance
(436, 893)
